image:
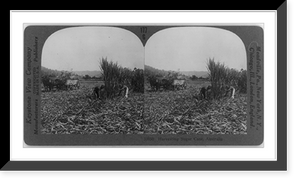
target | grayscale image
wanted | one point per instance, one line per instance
(103, 80)
(196, 82)
(92, 82)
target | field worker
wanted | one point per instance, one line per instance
(203, 93)
(209, 92)
(98, 91)
(229, 91)
(123, 88)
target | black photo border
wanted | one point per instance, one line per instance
(279, 165)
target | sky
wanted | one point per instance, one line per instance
(81, 48)
(189, 48)
(177, 49)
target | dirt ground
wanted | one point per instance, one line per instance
(163, 112)
(183, 112)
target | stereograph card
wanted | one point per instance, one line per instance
(143, 85)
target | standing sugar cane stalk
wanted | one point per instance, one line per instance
(118, 80)
(225, 81)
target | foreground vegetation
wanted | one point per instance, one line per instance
(165, 112)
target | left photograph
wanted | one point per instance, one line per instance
(92, 82)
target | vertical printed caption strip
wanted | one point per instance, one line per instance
(255, 86)
(32, 84)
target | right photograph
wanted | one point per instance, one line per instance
(195, 81)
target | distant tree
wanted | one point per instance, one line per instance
(65, 75)
(86, 77)
(194, 77)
